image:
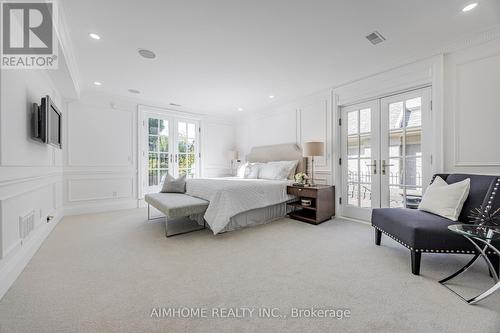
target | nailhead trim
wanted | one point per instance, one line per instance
(428, 250)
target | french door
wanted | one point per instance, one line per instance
(169, 145)
(385, 153)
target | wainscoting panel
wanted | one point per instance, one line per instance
(87, 189)
(477, 117)
(314, 123)
(100, 136)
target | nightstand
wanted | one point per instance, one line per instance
(322, 207)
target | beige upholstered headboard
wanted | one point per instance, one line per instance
(281, 152)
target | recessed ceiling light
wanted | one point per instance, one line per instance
(240, 109)
(469, 7)
(271, 96)
(94, 36)
(97, 83)
(134, 91)
(148, 54)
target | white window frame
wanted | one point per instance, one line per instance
(143, 113)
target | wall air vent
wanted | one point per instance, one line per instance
(375, 38)
(26, 225)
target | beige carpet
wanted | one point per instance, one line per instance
(106, 272)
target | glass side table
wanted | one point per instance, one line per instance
(481, 237)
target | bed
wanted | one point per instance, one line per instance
(236, 203)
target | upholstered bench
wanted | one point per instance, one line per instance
(175, 205)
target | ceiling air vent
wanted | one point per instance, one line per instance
(375, 38)
(174, 104)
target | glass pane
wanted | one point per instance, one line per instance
(352, 122)
(352, 146)
(182, 129)
(153, 143)
(163, 127)
(396, 144)
(163, 173)
(365, 120)
(163, 143)
(153, 126)
(153, 161)
(396, 115)
(190, 161)
(365, 195)
(413, 197)
(352, 170)
(365, 171)
(153, 177)
(182, 145)
(190, 146)
(182, 172)
(353, 194)
(414, 142)
(394, 171)
(413, 172)
(396, 196)
(182, 161)
(413, 112)
(190, 173)
(365, 149)
(164, 161)
(191, 133)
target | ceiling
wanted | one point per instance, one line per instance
(215, 56)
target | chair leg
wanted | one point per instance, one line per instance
(495, 261)
(378, 236)
(415, 262)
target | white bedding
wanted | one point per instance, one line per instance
(231, 196)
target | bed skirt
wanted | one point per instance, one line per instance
(252, 217)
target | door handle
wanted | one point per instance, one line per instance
(384, 165)
(175, 158)
(374, 165)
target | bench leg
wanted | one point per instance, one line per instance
(183, 232)
(415, 262)
(152, 218)
(378, 236)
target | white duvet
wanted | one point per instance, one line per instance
(231, 196)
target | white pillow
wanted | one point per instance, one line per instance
(275, 171)
(291, 167)
(242, 170)
(445, 200)
(252, 170)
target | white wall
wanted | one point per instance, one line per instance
(101, 164)
(306, 119)
(30, 172)
(472, 110)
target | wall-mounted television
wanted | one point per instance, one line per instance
(47, 122)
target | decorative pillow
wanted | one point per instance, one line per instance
(252, 170)
(275, 171)
(240, 173)
(445, 200)
(291, 167)
(172, 185)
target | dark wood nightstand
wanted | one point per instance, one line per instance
(322, 206)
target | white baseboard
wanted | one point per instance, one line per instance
(16, 262)
(99, 207)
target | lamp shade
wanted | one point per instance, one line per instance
(313, 149)
(232, 155)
